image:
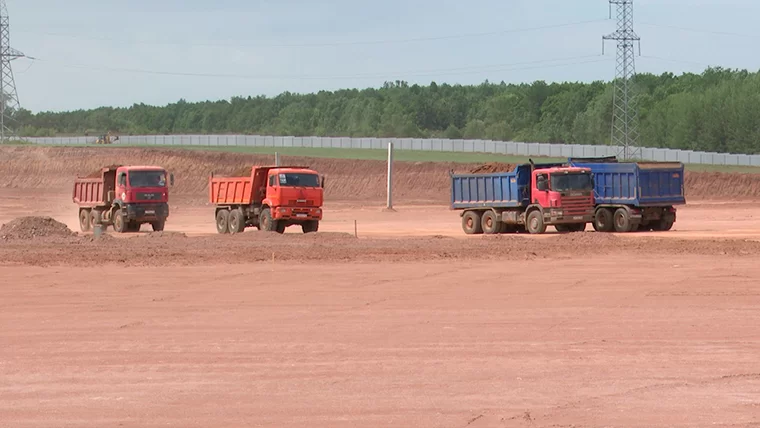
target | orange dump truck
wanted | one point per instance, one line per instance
(271, 198)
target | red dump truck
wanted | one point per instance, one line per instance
(271, 198)
(123, 196)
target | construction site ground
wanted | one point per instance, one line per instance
(410, 324)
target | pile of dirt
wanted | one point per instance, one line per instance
(34, 227)
(34, 167)
(721, 185)
(97, 173)
(492, 167)
(165, 234)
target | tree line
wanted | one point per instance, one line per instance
(717, 110)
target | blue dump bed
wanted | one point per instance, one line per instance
(497, 190)
(640, 184)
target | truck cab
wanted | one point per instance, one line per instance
(565, 194)
(294, 194)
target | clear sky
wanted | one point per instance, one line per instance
(116, 53)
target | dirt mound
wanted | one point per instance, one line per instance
(586, 238)
(34, 227)
(721, 185)
(493, 167)
(54, 168)
(97, 173)
(165, 234)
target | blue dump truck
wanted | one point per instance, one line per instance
(633, 196)
(531, 197)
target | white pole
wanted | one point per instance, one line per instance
(276, 159)
(390, 177)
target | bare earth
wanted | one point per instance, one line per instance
(412, 324)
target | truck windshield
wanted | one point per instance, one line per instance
(299, 180)
(147, 178)
(570, 182)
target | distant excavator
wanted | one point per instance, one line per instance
(107, 139)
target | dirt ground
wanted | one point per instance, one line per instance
(410, 324)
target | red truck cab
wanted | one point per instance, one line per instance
(565, 194)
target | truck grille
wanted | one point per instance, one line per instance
(301, 202)
(148, 196)
(576, 205)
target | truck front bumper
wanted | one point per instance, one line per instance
(559, 216)
(297, 214)
(147, 212)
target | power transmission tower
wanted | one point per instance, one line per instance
(625, 119)
(9, 104)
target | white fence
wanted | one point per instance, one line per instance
(439, 145)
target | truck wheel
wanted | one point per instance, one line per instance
(536, 225)
(663, 225)
(471, 223)
(562, 228)
(119, 222)
(266, 222)
(579, 227)
(84, 220)
(95, 217)
(236, 221)
(158, 226)
(133, 226)
(622, 221)
(490, 223)
(222, 221)
(603, 220)
(310, 226)
(508, 228)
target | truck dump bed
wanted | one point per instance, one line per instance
(497, 190)
(233, 190)
(639, 184)
(91, 192)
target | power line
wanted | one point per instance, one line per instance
(317, 45)
(696, 30)
(586, 59)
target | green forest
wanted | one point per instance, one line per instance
(717, 110)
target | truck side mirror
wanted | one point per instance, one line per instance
(323, 181)
(171, 179)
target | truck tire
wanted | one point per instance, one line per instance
(576, 228)
(133, 226)
(95, 218)
(119, 222)
(279, 227)
(236, 221)
(603, 221)
(310, 226)
(266, 222)
(490, 223)
(622, 221)
(536, 225)
(562, 228)
(663, 225)
(158, 226)
(84, 220)
(508, 228)
(222, 221)
(471, 223)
